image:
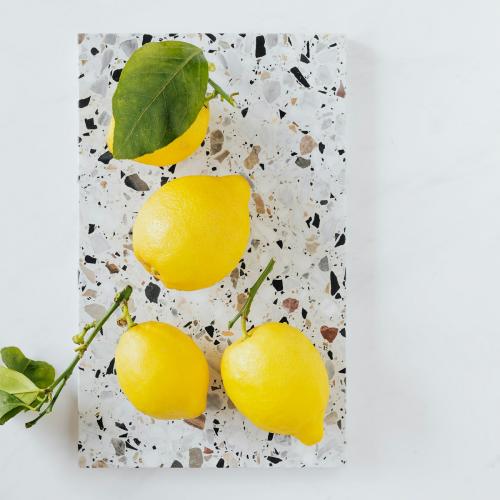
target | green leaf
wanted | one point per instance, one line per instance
(18, 385)
(39, 372)
(160, 93)
(10, 406)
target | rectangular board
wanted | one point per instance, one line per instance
(287, 138)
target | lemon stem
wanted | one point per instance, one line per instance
(126, 315)
(245, 309)
(95, 327)
(218, 90)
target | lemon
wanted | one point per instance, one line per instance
(179, 149)
(193, 230)
(162, 372)
(277, 379)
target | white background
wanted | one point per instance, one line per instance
(424, 243)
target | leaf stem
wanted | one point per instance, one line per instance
(245, 309)
(96, 327)
(218, 90)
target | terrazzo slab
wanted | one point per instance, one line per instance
(287, 138)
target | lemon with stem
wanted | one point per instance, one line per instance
(161, 370)
(275, 376)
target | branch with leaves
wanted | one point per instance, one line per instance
(29, 385)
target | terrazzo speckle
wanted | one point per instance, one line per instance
(287, 138)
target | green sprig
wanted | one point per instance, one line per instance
(27, 385)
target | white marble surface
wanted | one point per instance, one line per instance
(290, 144)
(424, 124)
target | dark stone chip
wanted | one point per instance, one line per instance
(340, 241)
(260, 46)
(133, 181)
(321, 147)
(89, 123)
(302, 162)
(278, 285)
(116, 74)
(100, 424)
(83, 102)
(91, 228)
(244, 112)
(106, 157)
(128, 445)
(109, 371)
(304, 59)
(146, 39)
(220, 463)
(176, 465)
(121, 426)
(90, 260)
(152, 292)
(275, 460)
(315, 221)
(300, 77)
(212, 37)
(282, 114)
(334, 283)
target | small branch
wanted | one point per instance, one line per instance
(80, 338)
(245, 309)
(60, 381)
(220, 91)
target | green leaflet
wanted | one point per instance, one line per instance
(10, 406)
(18, 385)
(161, 91)
(39, 372)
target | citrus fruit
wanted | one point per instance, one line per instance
(179, 149)
(162, 371)
(193, 231)
(277, 379)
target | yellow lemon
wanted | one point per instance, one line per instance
(179, 149)
(162, 372)
(193, 231)
(277, 379)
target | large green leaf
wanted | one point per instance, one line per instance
(18, 385)
(39, 372)
(10, 406)
(161, 90)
